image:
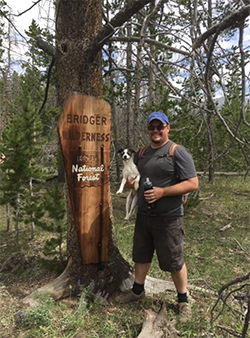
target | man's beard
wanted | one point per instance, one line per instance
(156, 142)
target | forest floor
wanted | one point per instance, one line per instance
(21, 276)
(217, 251)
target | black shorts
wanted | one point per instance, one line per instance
(163, 235)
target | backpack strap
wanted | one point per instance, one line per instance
(171, 151)
(142, 151)
(173, 148)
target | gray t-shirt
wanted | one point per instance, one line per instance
(163, 170)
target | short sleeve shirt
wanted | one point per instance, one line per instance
(163, 170)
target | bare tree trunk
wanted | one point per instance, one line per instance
(5, 73)
(32, 223)
(210, 125)
(115, 123)
(210, 119)
(152, 70)
(114, 129)
(7, 217)
(137, 97)
(16, 221)
(129, 92)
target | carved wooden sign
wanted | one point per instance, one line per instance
(84, 132)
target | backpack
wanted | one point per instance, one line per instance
(171, 152)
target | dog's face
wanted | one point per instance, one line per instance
(126, 154)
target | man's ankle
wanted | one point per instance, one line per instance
(182, 297)
(137, 288)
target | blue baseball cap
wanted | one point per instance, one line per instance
(157, 115)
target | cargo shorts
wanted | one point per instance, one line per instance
(162, 235)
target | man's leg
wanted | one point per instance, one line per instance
(180, 279)
(141, 271)
(180, 282)
(137, 292)
(143, 247)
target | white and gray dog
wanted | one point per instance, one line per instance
(129, 171)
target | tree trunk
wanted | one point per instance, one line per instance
(129, 111)
(115, 122)
(152, 68)
(78, 22)
(210, 119)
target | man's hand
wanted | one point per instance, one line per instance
(130, 183)
(153, 195)
(181, 188)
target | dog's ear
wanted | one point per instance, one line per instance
(132, 151)
(119, 151)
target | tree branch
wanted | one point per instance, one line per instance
(117, 21)
(230, 21)
(26, 10)
(150, 41)
(47, 84)
(11, 23)
(50, 50)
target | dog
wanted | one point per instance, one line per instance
(129, 171)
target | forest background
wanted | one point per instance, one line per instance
(157, 60)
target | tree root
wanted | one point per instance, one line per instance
(57, 289)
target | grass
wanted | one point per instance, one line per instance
(213, 257)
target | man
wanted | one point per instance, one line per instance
(159, 221)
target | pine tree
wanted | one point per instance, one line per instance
(22, 146)
(54, 204)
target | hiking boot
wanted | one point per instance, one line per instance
(129, 296)
(185, 312)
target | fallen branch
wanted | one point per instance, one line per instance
(155, 286)
(225, 295)
(246, 252)
(229, 225)
(222, 173)
(155, 325)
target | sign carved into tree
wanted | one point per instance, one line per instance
(84, 133)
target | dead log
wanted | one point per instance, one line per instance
(222, 173)
(155, 286)
(156, 325)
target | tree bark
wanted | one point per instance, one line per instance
(78, 23)
(76, 73)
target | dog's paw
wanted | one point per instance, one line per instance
(126, 218)
(118, 192)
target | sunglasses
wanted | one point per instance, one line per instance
(159, 128)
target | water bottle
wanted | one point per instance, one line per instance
(148, 186)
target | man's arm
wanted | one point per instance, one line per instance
(180, 188)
